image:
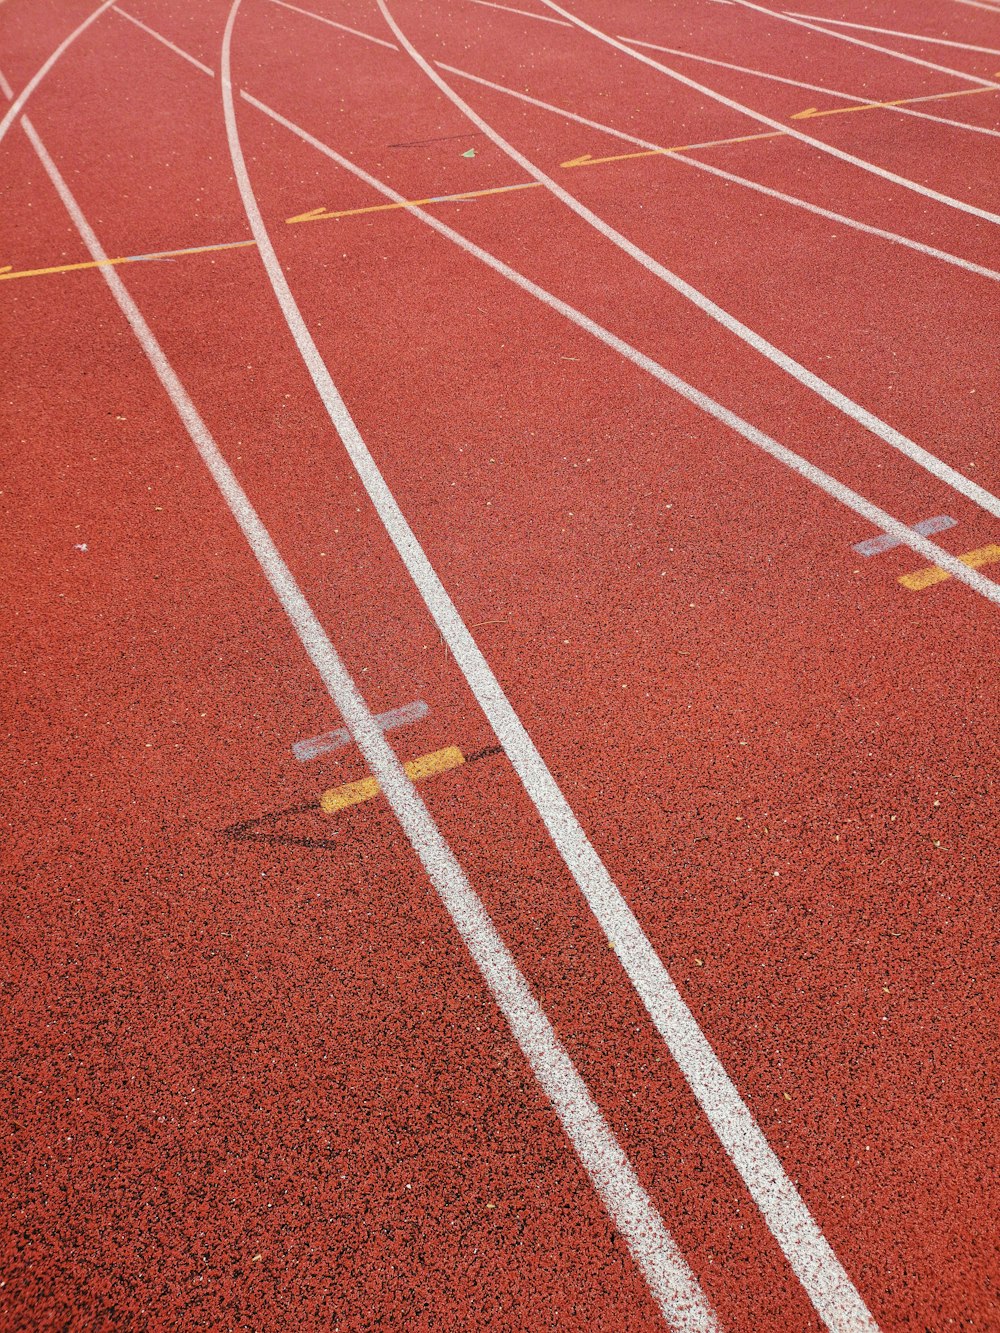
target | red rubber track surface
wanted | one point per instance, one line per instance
(250, 1076)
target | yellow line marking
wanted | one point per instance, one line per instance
(926, 578)
(321, 214)
(427, 766)
(813, 114)
(6, 274)
(587, 161)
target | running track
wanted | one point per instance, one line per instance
(674, 1004)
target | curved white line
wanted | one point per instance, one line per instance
(784, 127)
(355, 32)
(670, 1281)
(865, 102)
(168, 44)
(807, 1250)
(868, 46)
(804, 1245)
(837, 490)
(673, 153)
(14, 110)
(673, 1285)
(893, 32)
(930, 462)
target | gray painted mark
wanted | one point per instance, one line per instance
(313, 746)
(885, 541)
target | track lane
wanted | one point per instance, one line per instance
(385, 236)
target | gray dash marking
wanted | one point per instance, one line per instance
(314, 746)
(885, 541)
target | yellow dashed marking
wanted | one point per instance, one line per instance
(926, 578)
(427, 766)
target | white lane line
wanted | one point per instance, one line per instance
(14, 110)
(671, 1282)
(776, 1197)
(675, 154)
(915, 452)
(894, 32)
(355, 32)
(526, 13)
(816, 88)
(928, 250)
(784, 1212)
(673, 1285)
(885, 522)
(160, 38)
(829, 484)
(977, 4)
(784, 127)
(868, 46)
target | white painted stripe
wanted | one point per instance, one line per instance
(918, 246)
(868, 46)
(315, 746)
(807, 1250)
(915, 452)
(976, 4)
(894, 32)
(878, 517)
(526, 13)
(160, 38)
(673, 1285)
(805, 1247)
(671, 1282)
(829, 484)
(14, 110)
(784, 127)
(779, 1202)
(814, 87)
(355, 32)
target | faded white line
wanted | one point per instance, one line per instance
(671, 1282)
(939, 469)
(823, 480)
(355, 32)
(525, 13)
(160, 38)
(803, 1243)
(673, 153)
(816, 88)
(403, 716)
(894, 32)
(14, 110)
(868, 46)
(784, 127)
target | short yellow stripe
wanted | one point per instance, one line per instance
(353, 793)
(926, 578)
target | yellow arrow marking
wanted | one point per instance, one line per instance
(813, 112)
(6, 274)
(427, 766)
(322, 215)
(926, 578)
(587, 161)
